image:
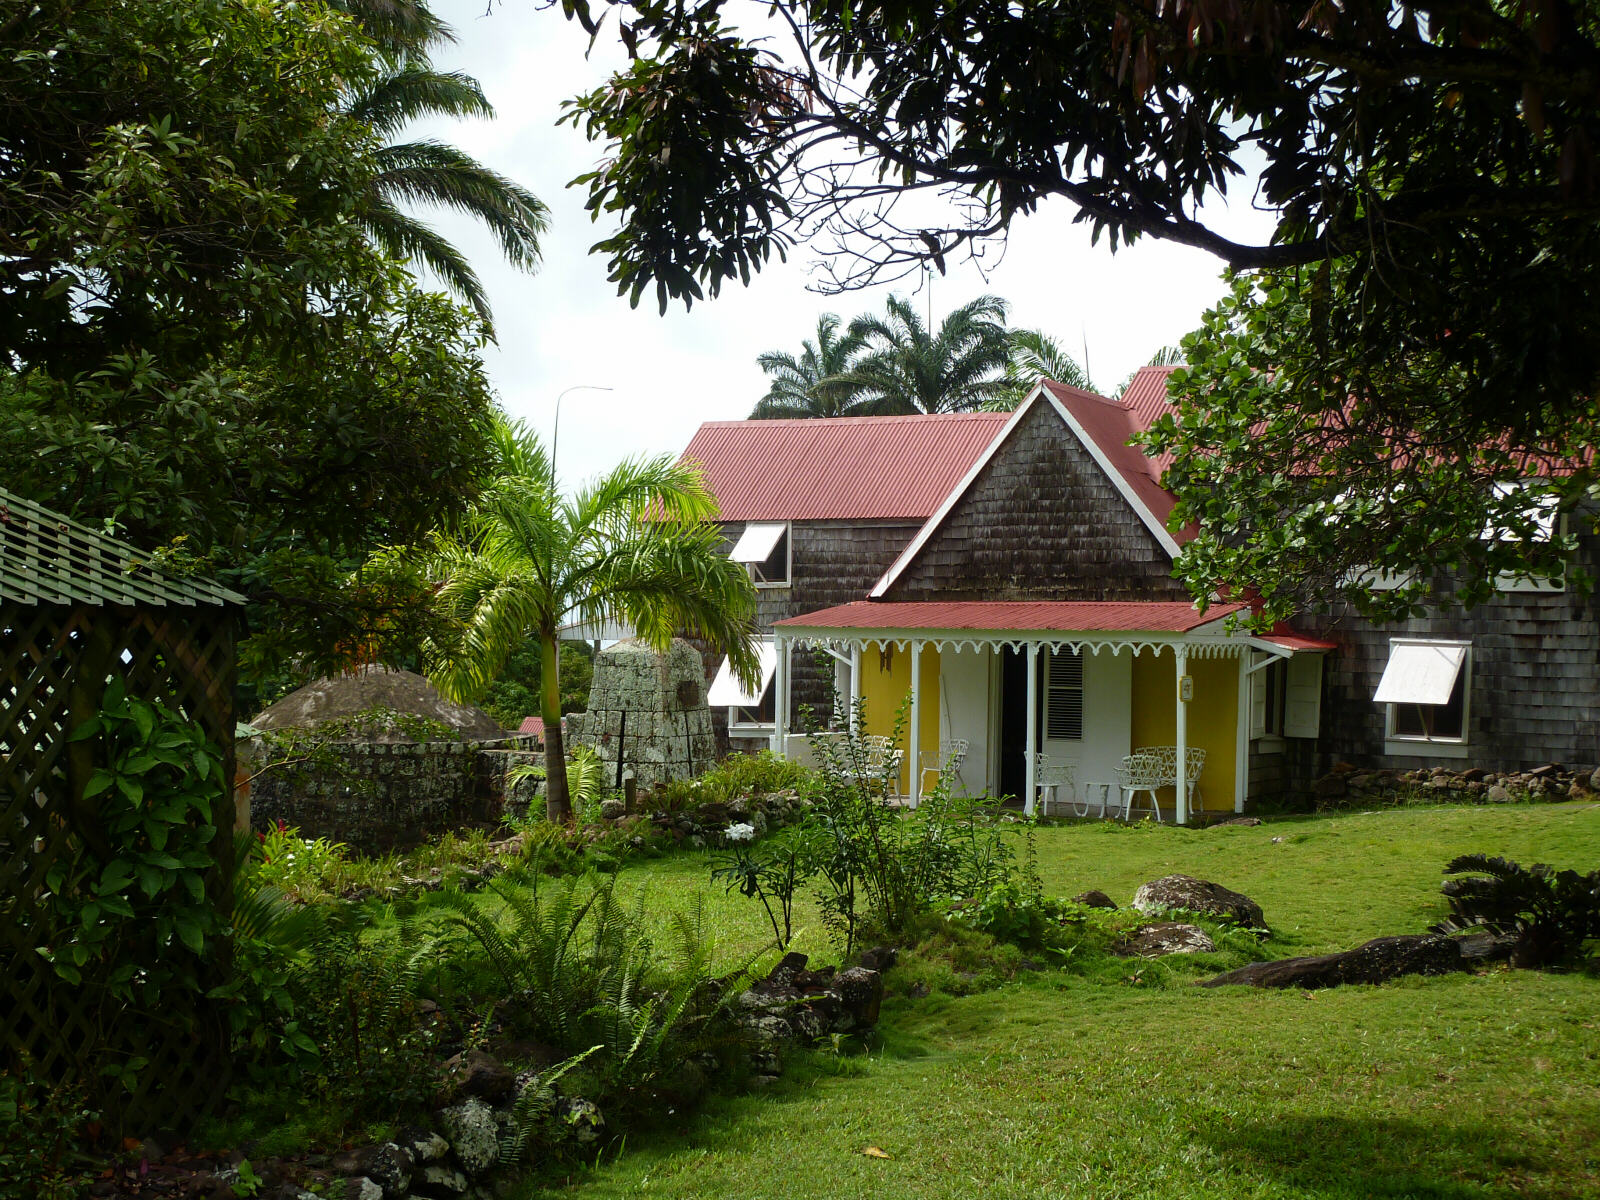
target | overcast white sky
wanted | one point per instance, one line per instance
(566, 326)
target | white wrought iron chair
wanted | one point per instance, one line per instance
(1194, 760)
(945, 762)
(1054, 778)
(883, 759)
(1141, 772)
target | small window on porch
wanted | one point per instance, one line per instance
(763, 547)
(1064, 696)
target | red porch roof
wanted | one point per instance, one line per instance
(1066, 616)
(839, 468)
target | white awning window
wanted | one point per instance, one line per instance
(757, 542)
(726, 690)
(1420, 673)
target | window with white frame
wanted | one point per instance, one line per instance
(750, 710)
(765, 549)
(1064, 695)
(1426, 688)
(1527, 517)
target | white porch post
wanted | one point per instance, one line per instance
(855, 684)
(780, 714)
(1030, 780)
(914, 786)
(1180, 658)
(1241, 744)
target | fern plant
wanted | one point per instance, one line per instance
(1551, 914)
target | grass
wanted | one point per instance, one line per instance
(1138, 1085)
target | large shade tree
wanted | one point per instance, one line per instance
(198, 343)
(638, 544)
(1429, 167)
(1307, 495)
(906, 367)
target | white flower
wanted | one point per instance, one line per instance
(741, 833)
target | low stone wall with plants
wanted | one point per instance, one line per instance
(376, 796)
(1351, 787)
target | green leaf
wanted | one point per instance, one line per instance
(189, 932)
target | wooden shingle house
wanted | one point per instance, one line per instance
(817, 510)
(1032, 609)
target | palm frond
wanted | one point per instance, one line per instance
(414, 89)
(432, 173)
(404, 237)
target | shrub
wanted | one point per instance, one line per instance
(41, 1128)
(1011, 912)
(1551, 914)
(580, 972)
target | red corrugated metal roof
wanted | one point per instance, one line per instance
(839, 468)
(532, 725)
(1293, 639)
(1066, 616)
(1110, 424)
(1145, 398)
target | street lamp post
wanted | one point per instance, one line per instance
(555, 436)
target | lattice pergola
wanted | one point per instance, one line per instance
(78, 608)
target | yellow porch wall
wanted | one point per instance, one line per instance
(885, 690)
(1213, 717)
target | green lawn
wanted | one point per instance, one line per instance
(1057, 1086)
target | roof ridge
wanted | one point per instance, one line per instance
(859, 419)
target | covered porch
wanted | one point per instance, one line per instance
(1083, 684)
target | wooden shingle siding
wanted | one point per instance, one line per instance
(832, 562)
(1535, 687)
(1041, 522)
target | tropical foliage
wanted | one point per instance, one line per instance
(430, 173)
(1551, 915)
(817, 382)
(199, 342)
(907, 367)
(1035, 353)
(1309, 492)
(637, 544)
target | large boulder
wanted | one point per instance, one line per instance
(1185, 893)
(1377, 961)
(473, 1135)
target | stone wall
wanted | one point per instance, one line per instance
(379, 796)
(648, 710)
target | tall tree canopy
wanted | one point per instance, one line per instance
(198, 343)
(1307, 495)
(639, 543)
(1430, 166)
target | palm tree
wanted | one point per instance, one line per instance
(816, 383)
(908, 369)
(431, 173)
(1035, 353)
(638, 543)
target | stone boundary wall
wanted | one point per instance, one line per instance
(380, 796)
